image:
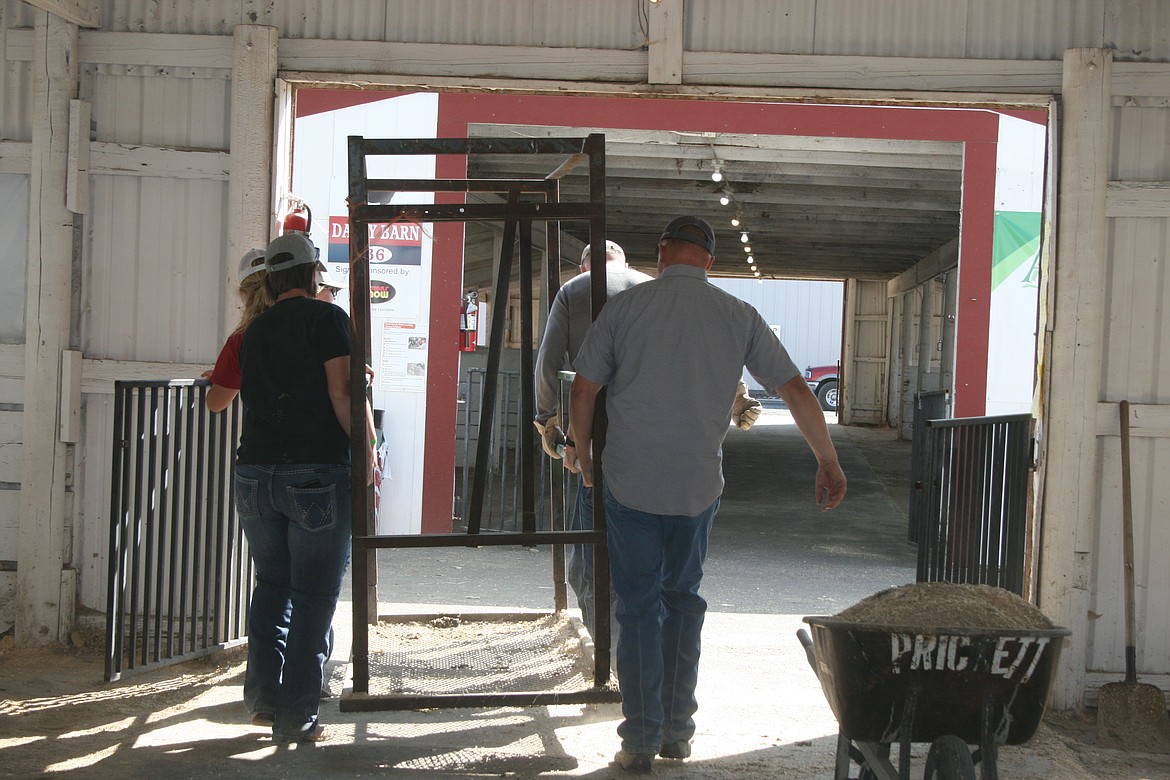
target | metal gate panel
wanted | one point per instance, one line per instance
(976, 513)
(179, 570)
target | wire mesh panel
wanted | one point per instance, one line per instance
(977, 501)
(473, 654)
(179, 569)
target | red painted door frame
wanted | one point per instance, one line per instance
(976, 129)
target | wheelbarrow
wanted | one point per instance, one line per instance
(950, 687)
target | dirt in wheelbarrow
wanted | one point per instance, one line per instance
(946, 605)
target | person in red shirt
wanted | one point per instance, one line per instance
(225, 377)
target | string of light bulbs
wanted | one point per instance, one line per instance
(727, 197)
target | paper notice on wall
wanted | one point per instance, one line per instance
(402, 361)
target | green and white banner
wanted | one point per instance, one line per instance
(1015, 269)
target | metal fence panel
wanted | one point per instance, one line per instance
(976, 512)
(179, 570)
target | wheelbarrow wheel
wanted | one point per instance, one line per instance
(949, 759)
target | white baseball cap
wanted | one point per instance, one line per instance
(613, 253)
(252, 262)
(324, 278)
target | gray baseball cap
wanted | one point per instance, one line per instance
(289, 251)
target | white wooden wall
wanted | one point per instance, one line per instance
(866, 353)
(165, 211)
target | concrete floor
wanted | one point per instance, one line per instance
(773, 559)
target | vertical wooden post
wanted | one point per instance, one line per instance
(45, 590)
(666, 42)
(250, 180)
(1073, 385)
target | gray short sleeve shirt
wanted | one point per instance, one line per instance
(671, 353)
(568, 321)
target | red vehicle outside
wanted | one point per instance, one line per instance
(822, 380)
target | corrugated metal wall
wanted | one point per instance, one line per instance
(807, 313)
(994, 29)
(152, 242)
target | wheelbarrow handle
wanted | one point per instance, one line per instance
(807, 643)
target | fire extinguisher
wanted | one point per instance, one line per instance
(299, 218)
(468, 321)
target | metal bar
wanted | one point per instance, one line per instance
(521, 481)
(877, 762)
(967, 422)
(595, 147)
(222, 540)
(199, 610)
(495, 348)
(148, 571)
(428, 146)
(527, 406)
(174, 403)
(475, 212)
(189, 527)
(456, 185)
(135, 529)
(243, 559)
(995, 485)
(115, 567)
(1017, 540)
(358, 281)
(477, 539)
(841, 766)
(908, 715)
(500, 439)
(375, 703)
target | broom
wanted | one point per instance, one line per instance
(1131, 715)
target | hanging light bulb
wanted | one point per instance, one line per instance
(743, 237)
(747, 249)
(735, 221)
(724, 200)
(754, 268)
(717, 174)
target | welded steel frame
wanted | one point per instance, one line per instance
(517, 217)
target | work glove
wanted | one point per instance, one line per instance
(551, 435)
(745, 410)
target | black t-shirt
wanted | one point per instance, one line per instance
(288, 417)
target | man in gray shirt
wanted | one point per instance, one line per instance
(669, 353)
(569, 319)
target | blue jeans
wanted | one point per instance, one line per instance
(297, 521)
(656, 565)
(579, 557)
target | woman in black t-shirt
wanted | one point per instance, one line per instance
(292, 488)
